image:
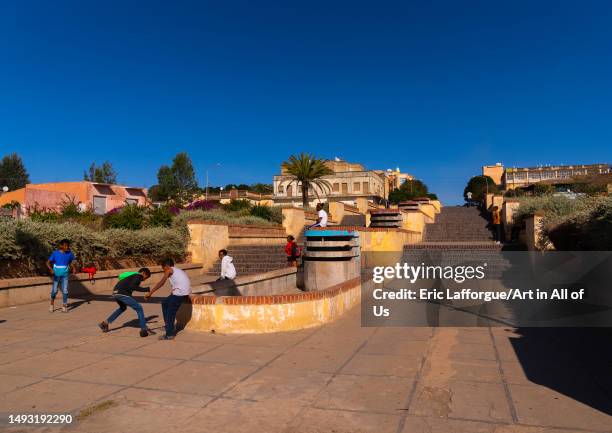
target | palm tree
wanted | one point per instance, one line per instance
(307, 170)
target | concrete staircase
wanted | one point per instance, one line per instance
(253, 259)
(459, 236)
(458, 224)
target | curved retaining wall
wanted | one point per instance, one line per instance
(19, 291)
(274, 313)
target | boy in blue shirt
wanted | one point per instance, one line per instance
(59, 264)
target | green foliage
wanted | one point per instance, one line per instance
(306, 171)
(131, 217)
(515, 193)
(159, 217)
(35, 240)
(588, 229)
(543, 189)
(478, 186)
(219, 215)
(261, 188)
(588, 188)
(269, 213)
(554, 207)
(101, 174)
(411, 189)
(13, 204)
(176, 183)
(237, 205)
(43, 214)
(13, 173)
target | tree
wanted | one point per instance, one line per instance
(411, 189)
(478, 186)
(306, 171)
(13, 173)
(261, 188)
(178, 182)
(102, 174)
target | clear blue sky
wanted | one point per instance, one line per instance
(437, 88)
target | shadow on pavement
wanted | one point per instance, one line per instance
(134, 323)
(576, 362)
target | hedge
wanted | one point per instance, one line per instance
(34, 241)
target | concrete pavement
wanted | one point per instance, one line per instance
(340, 378)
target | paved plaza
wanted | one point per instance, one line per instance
(339, 378)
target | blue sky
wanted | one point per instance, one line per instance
(438, 88)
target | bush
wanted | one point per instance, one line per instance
(237, 205)
(543, 189)
(35, 240)
(131, 217)
(589, 229)
(14, 204)
(269, 213)
(554, 207)
(217, 215)
(202, 205)
(159, 217)
(43, 215)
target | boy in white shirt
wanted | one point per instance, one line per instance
(322, 217)
(181, 289)
(228, 271)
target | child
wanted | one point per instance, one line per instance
(321, 217)
(181, 289)
(293, 251)
(59, 264)
(228, 271)
(123, 296)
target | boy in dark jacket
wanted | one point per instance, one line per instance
(128, 283)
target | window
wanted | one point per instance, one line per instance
(281, 189)
(131, 201)
(565, 173)
(356, 187)
(99, 205)
(547, 175)
(344, 188)
(520, 175)
(289, 191)
(366, 188)
(336, 187)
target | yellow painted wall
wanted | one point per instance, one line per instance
(265, 318)
(437, 205)
(294, 221)
(430, 212)
(205, 241)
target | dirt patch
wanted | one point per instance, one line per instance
(91, 410)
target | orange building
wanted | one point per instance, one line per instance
(89, 195)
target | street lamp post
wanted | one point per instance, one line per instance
(218, 164)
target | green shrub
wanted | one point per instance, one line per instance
(543, 189)
(131, 217)
(589, 229)
(181, 220)
(269, 213)
(554, 207)
(237, 205)
(14, 204)
(43, 215)
(35, 240)
(159, 217)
